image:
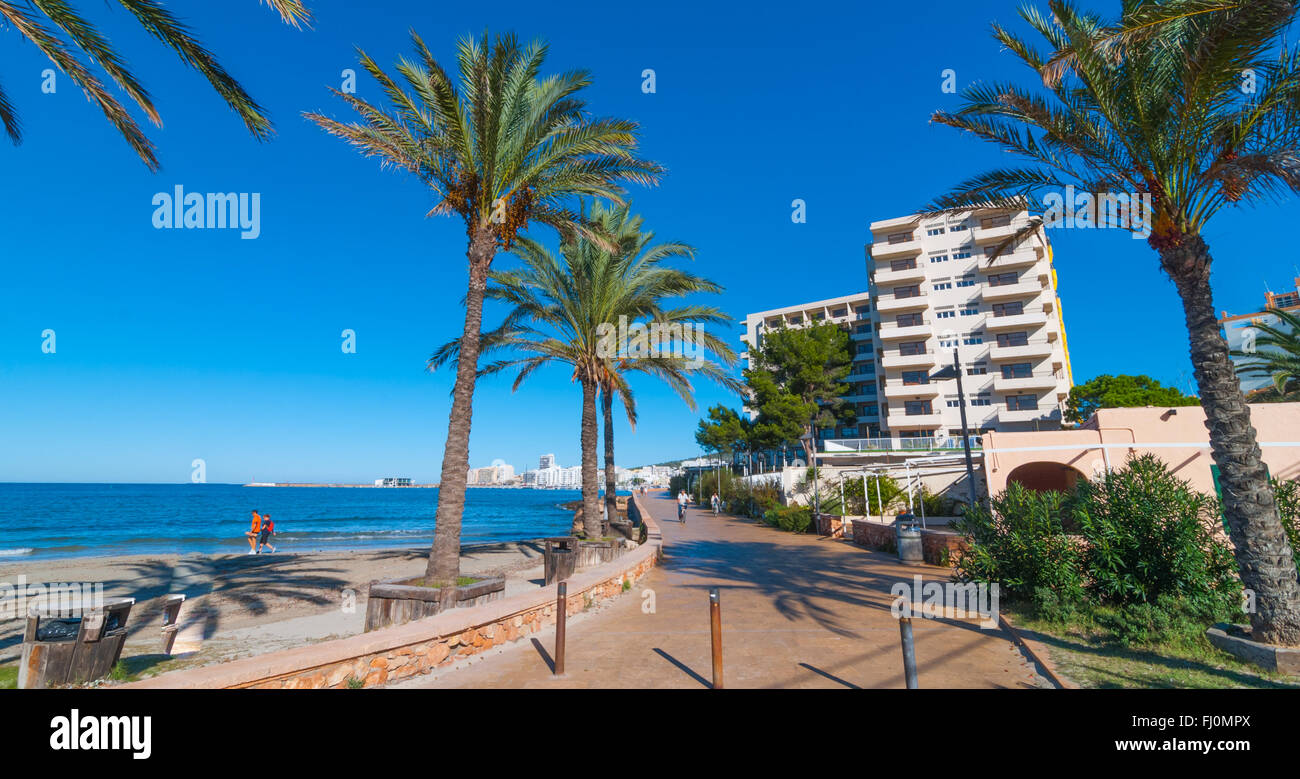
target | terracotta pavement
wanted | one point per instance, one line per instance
(797, 611)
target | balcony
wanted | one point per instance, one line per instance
(896, 360)
(884, 250)
(888, 277)
(889, 304)
(893, 332)
(898, 420)
(1041, 414)
(1027, 320)
(1025, 384)
(850, 445)
(1023, 289)
(986, 235)
(895, 390)
(1020, 258)
(1030, 351)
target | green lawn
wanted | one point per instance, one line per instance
(1090, 658)
(8, 677)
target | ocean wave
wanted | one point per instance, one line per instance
(18, 552)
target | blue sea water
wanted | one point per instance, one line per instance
(71, 520)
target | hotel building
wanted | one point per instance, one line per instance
(934, 290)
(1238, 330)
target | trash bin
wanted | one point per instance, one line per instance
(907, 537)
(560, 559)
(62, 649)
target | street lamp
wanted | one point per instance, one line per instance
(950, 372)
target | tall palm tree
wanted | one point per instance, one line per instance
(1157, 104)
(37, 20)
(568, 309)
(499, 148)
(1279, 357)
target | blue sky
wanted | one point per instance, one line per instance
(181, 344)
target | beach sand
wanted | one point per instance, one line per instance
(242, 605)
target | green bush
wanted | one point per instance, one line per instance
(1288, 505)
(1022, 546)
(794, 519)
(1149, 534)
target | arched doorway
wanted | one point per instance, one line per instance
(1044, 476)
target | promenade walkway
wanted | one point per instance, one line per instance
(797, 611)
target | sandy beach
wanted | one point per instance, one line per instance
(241, 605)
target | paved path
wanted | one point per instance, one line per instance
(797, 611)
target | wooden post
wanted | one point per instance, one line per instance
(561, 605)
(715, 626)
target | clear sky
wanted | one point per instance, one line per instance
(173, 345)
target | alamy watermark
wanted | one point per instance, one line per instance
(1071, 209)
(56, 599)
(946, 600)
(211, 211)
(656, 340)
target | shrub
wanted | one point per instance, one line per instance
(1288, 505)
(1021, 545)
(1149, 534)
(794, 519)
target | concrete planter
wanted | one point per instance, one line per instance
(397, 601)
(1235, 640)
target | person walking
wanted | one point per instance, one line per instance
(264, 539)
(254, 530)
(681, 506)
(716, 502)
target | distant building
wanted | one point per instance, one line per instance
(393, 481)
(1239, 332)
(546, 461)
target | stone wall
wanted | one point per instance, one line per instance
(939, 547)
(401, 651)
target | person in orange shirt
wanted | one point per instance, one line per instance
(253, 533)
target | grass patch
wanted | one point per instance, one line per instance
(1087, 650)
(8, 677)
(461, 581)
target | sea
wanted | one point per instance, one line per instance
(43, 521)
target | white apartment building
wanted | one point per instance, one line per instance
(1240, 331)
(938, 293)
(934, 291)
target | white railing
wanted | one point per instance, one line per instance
(929, 443)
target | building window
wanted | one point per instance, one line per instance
(915, 408)
(974, 339)
(795, 320)
(916, 377)
(949, 314)
(861, 329)
(1017, 370)
(900, 238)
(966, 281)
(948, 343)
(977, 369)
(908, 264)
(1022, 402)
(943, 285)
(1004, 279)
(995, 221)
(913, 291)
(868, 410)
(957, 227)
(1020, 338)
(865, 348)
(819, 316)
(938, 258)
(1008, 309)
(908, 320)
(911, 347)
(840, 312)
(864, 369)
(962, 253)
(953, 403)
(981, 401)
(934, 231)
(970, 311)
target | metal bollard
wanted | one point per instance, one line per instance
(909, 651)
(715, 625)
(561, 603)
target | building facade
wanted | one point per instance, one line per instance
(1240, 333)
(936, 294)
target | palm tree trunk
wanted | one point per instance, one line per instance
(590, 484)
(611, 477)
(1263, 555)
(444, 558)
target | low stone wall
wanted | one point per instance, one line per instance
(398, 652)
(830, 525)
(939, 547)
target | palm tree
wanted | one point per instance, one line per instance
(568, 309)
(1280, 358)
(36, 21)
(1158, 104)
(500, 148)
